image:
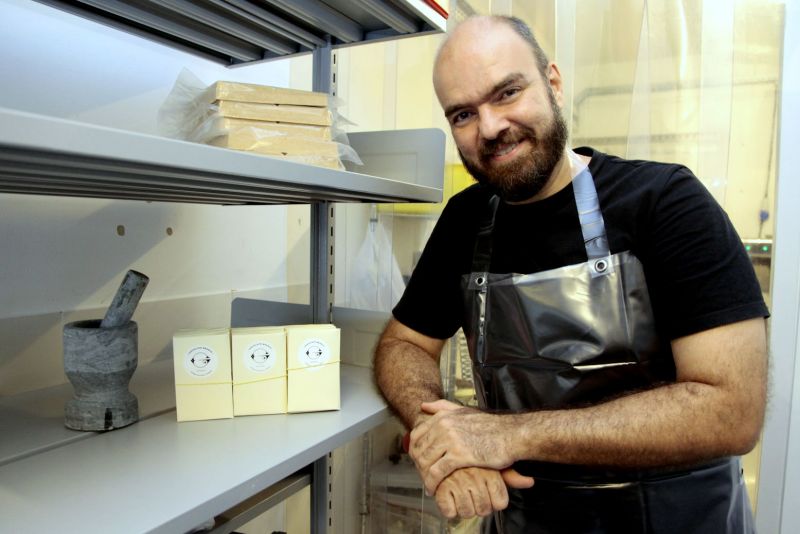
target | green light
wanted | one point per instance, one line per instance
(765, 248)
(747, 248)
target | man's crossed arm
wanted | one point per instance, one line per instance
(407, 372)
(715, 408)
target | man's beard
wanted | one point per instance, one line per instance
(524, 177)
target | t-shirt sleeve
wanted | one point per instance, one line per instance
(431, 303)
(699, 274)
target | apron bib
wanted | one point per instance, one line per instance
(575, 336)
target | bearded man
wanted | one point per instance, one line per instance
(614, 321)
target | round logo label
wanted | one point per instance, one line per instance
(259, 357)
(313, 352)
(200, 361)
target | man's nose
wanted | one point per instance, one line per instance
(491, 123)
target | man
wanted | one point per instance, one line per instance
(615, 324)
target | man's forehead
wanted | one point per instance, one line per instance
(479, 42)
(472, 35)
(469, 68)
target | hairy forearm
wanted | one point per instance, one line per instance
(681, 424)
(715, 408)
(407, 376)
(677, 424)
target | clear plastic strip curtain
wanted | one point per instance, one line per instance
(686, 81)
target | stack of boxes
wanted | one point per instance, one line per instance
(203, 374)
(221, 373)
(258, 356)
(283, 123)
(312, 353)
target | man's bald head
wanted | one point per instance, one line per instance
(472, 32)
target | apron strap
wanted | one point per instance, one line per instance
(592, 227)
(482, 253)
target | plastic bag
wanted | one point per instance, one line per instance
(376, 281)
(304, 134)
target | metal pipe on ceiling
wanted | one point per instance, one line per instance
(226, 24)
(220, 42)
(320, 15)
(272, 22)
(389, 14)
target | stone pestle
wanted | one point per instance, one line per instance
(126, 299)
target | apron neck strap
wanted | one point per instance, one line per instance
(591, 219)
(592, 226)
(482, 254)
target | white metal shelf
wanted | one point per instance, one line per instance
(34, 420)
(161, 476)
(158, 475)
(50, 156)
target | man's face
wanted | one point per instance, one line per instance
(503, 113)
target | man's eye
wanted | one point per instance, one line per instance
(508, 93)
(460, 117)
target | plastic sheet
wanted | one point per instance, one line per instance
(376, 282)
(301, 133)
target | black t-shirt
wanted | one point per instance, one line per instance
(697, 270)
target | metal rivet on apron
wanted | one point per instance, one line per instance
(480, 280)
(600, 266)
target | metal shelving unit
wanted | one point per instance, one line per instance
(48, 156)
(237, 32)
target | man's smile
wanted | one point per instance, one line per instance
(504, 150)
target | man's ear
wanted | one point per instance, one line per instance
(555, 83)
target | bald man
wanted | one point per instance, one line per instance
(614, 321)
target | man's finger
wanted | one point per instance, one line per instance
(464, 505)
(425, 457)
(439, 406)
(482, 497)
(433, 475)
(498, 492)
(446, 503)
(513, 479)
(472, 491)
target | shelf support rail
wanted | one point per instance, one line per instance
(324, 81)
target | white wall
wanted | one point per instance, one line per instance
(779, 490)
(65, 255)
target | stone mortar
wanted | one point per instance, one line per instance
(99, 362)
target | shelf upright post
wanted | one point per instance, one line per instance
(321, 287)
(324, 77)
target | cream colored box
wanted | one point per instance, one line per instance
(203, 385)
(312, 353)
(258, 357)
(275, 112)
(246, 129)
(278, 144)
(265, 94)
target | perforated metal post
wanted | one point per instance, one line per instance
(324, 74)
(324, 81)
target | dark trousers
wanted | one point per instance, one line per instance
(708, 500)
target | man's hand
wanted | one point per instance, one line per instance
(477, 491)
(456, 437)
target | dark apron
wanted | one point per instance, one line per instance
(575, 336)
